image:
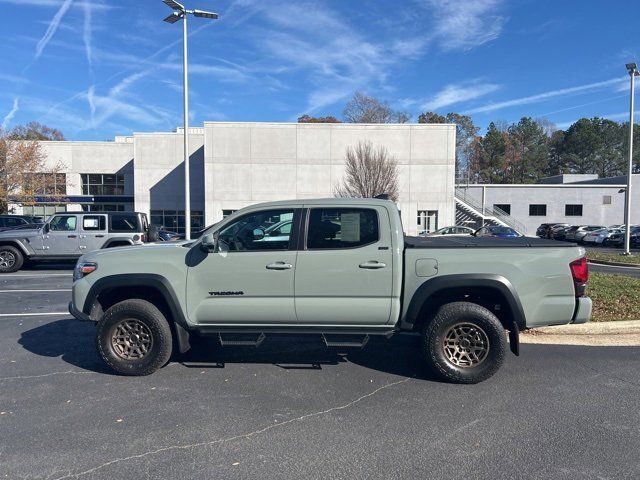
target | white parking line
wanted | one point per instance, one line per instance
(30, 275)
(32, 314)
(53, 290)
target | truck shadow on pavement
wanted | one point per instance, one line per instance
(69, 339)
(74, 343)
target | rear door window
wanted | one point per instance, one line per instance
(330, 228)
(123, 222)
(91, 223)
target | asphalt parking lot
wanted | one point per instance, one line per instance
(295, 409)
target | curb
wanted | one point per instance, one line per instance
(626, 327)
(624, 333)
(613, 264)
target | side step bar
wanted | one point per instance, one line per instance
(240, 340)
(345, 340)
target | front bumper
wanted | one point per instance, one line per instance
(583, 310)
(78, 314)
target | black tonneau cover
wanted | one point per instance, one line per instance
(443, 241)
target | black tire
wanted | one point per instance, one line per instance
(142, 320)
(481, 326)
(153, 234)
(11, 259)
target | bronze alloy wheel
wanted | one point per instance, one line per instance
(465, 345)
(7, 259)
(131, 339)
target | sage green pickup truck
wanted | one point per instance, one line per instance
(338, 268)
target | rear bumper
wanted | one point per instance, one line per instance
(78, 314)
(583, 310)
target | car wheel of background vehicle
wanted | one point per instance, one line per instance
(134, 338)
(153, 235)
(464, 343)
(11, 259)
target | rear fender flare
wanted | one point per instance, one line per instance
(498, 282)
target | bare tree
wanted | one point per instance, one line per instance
(364, 109)
(369, 172)
(24, 174)
(309, 119)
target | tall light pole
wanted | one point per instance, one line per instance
(180, 13)
(633, 73)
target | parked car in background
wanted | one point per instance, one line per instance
(165, 235)
(7, 222)
(451, 231)
(558, 231)
(497, 231)
(599, 237)
(544, 230)
(617, 239)
(68, 235)
(561, 233)
(581, 232)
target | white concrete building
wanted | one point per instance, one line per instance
(237, 164)
(572, 199)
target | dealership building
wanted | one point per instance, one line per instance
(574, 199)
(238, 164)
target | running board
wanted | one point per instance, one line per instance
(240, 340)
(357, 341)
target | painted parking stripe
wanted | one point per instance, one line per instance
(32, 314)
(30, 275)
(53, 290)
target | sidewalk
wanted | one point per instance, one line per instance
(623, 333)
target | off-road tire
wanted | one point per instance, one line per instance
(153, 234)
(11, 259)
(447, 319)
(148, 318)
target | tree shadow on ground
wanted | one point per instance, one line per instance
(74, 342)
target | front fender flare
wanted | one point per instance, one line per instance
(159, 283)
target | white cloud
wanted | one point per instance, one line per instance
(53, 26)
(541, 97)
(9, 116)
(87, 30)
(463, 25)
(456, 93)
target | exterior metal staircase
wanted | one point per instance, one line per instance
(470, 212)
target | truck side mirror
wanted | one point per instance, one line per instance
(209, 242)
(46, 228)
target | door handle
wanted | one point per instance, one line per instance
(71, 236)
(279, 266)
(372, 265)
(99, 236)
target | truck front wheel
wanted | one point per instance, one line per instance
(134, 338)
(464, 343)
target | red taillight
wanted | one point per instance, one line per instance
(143, 238)
(580, 273)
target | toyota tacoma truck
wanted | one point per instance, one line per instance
(338, 268)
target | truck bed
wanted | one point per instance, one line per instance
(443, 241)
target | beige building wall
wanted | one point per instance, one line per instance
(247, 163)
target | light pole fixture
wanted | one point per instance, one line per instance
(632, 69)
(180, 13)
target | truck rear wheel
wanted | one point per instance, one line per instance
(134, 338)
(11, 259)
(464, 343)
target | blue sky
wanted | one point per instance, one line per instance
(95, 69)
